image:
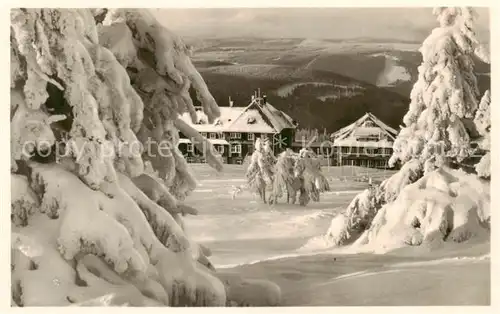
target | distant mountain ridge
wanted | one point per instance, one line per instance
(321, 84)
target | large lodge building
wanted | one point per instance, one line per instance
(233, 134)
(366, 142)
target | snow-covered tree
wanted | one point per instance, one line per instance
(482, 120)
(97, 183)
(284, 180)
(260, 170)
(426, 203)
(445, 93)
(311, 181)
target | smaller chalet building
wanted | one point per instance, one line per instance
(233, 134)
(367, 143)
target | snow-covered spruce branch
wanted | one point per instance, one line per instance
(97, 228)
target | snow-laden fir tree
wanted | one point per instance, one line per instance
(260, 169)
(445, 93)
(426, 203)
(298, 173)
(482, 120)
(98, 217)
(311, 181)
(284, 181)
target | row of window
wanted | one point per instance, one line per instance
(235, 149)
(365, 163)
(366, 150)
(232, 135)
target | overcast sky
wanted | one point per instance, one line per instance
(340, 23)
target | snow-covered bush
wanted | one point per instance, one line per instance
(347, 226)
(445, 205)
(98, 183)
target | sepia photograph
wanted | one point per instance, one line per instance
(250, 157)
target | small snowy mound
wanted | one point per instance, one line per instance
(444, 205)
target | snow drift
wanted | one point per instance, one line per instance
(445, 205)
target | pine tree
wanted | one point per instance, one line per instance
(445, 93)
(482, 121)
(310, 179)
(99, 217)
(284, 180)
(426, 202)
(260, 170)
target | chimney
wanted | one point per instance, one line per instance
(264, 97)
(230, 102)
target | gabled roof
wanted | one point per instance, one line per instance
(256, 118)
(265, 119)
(357, 126)
(227, 116)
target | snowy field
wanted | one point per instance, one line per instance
(244, 230)
(263, 241)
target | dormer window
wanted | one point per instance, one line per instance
(218, 122)
(251, 120)
(368, 124)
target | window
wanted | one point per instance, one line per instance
(236, 149)
(346, 150)
(190, 147)
(204, 134)
(234, 135)
(370, 138)
(220, 136)
(251, 120)
(213, 136)
(370, 151)
(251, 136)
(220, 149)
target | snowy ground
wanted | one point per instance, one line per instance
(244, 230)
(267, 242)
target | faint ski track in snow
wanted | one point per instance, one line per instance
(358, 274)
(446, 260)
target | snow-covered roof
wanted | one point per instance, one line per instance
(227, 116)
(259, 117)
(255, 118)
(251, 119)
(367, 131)
(367, 125)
